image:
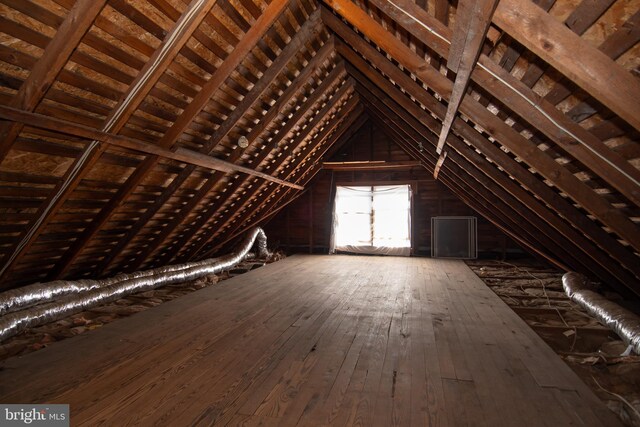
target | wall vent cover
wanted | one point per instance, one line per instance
(454, 237)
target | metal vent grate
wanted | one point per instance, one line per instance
(454, 237)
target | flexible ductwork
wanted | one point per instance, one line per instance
(80, 295)
(623, 322)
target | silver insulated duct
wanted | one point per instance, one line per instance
(622, 321)
(58, 299)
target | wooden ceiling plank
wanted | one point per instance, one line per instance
(207, 186)
(472, 23)
(197, 104)
(370, 165)
(277, 202)
(468, 159)
(582, 17)
(309, 29)
(498, 129)
(552, 199)
(129, 101)
(311, 68)
(241, 201)
(591, 69)
(551, 122)
(180, 155)
(55, 56)
(492, 209)
(614, 46)
(241, 50)
(346, 129)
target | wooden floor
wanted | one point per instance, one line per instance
(315, 340)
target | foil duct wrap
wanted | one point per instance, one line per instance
(622, 321)
(72, 297)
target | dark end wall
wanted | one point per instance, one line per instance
(305, 225)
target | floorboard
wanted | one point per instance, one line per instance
(314, 341)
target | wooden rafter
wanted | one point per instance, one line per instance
(180, 155)
(204, 190)
(310, 28)
(517, 96)
(45, 71)
(312, 67)
(591, 69)
(370, 165)
(493, 152)
(472, 22)
(502, 132)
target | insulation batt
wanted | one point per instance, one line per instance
(61, 298)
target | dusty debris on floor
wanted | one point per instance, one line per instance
(534, 291)
(79, 323)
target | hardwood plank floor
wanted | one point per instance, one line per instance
(313, 341)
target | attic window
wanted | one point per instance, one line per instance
(373, 220)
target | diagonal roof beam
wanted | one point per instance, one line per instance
(507, 136)
(309, 29)
(346, 129)
(272, 202)
(472, 22)
(312, 67)
(500, 212)
(344, 91)
(504, 188)
(522, 100)
(191, 157)
(590, 68)
(138, 90)
(560, 206)
(55, 56)
(323, 88)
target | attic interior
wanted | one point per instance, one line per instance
(142, 134)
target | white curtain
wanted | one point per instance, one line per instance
(372, 220)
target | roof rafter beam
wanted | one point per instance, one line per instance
(556, 44)
(181, 155)
(312, 67)
(114, 122)
(503, 133)
(55, 56)
(472, 22)
(552, 199)
(250, 195)
(522, 100)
